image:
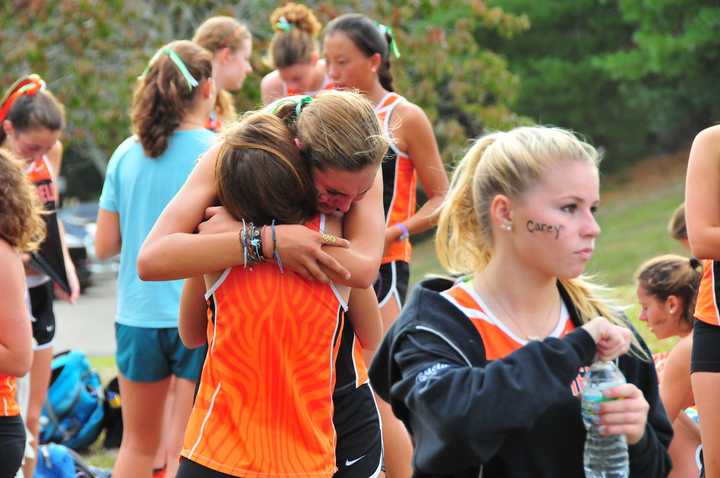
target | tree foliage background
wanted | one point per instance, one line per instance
(635, 76)
(91, 51)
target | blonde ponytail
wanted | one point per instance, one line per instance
(460, 243)
(592, 300)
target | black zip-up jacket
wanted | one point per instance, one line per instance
(507, 418)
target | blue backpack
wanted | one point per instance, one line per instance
(59, 461)
(73, 412)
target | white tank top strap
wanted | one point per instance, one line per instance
(385, 107)
(335, 289)
(218, 282)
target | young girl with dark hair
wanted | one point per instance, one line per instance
(230, 43)
(21, 230)
(171, 103)
(294, 55)
(357, 54)
(486, 372)
(666, 289)
(32, 121)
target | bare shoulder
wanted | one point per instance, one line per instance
(410, 113)
(271, 87)
(682, 351)
(709, 134)
(9, 257)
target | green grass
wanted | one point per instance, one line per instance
(97, 455)
(634, 229)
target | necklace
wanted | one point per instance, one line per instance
(524, 335)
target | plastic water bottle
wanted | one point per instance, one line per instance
(605, 456)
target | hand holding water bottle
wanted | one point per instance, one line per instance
(624, 417)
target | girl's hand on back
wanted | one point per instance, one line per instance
(611, 340)
(301, 251)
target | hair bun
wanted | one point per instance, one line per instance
(297, 15)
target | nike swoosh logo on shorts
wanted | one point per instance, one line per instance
(352, 462)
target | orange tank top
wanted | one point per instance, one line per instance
(706, 304)
(498, 340)
(8, 405)
(264, 405)
(399, 181)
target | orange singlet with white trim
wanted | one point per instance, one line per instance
(399, 181)
(706, 304)
(498, 340)
(264, 406)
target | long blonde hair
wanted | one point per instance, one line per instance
(217, 33)
(510, 163)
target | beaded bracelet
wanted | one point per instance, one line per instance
(405, 232)
(276, 249)
(251, 241)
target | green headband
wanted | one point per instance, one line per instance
(298, 101)
(192, 82)
(386, 30)
(283, 24)
(301, 104)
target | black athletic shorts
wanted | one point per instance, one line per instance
(706, 348)
(392, 282)
(190, 469)
(43, 317)
(12, 445)
(359, 450)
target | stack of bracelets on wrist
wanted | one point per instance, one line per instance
(251, 242)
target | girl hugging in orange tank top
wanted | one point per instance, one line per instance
(265, 400)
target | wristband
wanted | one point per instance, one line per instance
(405, 232)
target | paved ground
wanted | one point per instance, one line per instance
(89, 325)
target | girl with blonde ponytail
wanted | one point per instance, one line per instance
(487, 371)
(230, 43)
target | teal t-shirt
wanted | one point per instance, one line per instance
(138, 188)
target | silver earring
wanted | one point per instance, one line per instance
(507, 226)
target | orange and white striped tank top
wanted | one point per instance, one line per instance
(8, 405)
(264, 405)
(706, 304)
(497, 338)
(399, 181)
